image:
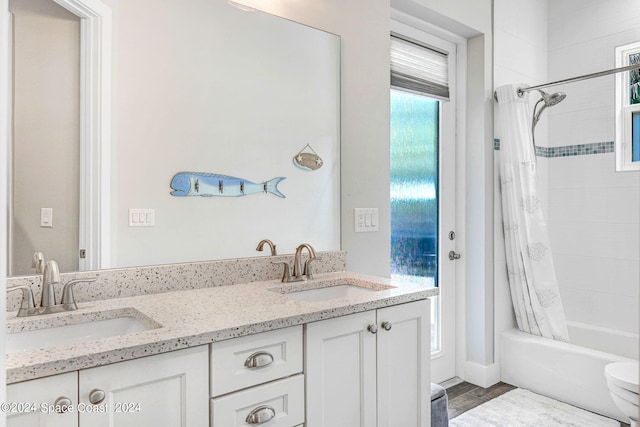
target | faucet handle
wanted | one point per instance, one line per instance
(27, 302)
(307, 267)
(67, 292)
(286, 275)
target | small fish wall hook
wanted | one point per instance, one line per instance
(307, 161)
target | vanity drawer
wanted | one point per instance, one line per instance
(255, 359)
(277, 404)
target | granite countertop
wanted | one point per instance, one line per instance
(190, 318)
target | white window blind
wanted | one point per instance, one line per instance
(419, 69)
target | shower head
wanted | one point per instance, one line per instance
(549, 101)
(553, 99)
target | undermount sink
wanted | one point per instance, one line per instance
(73, 333)
(330, 292)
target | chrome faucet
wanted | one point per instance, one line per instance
(50, 277)
(271, 245)
(298, 272)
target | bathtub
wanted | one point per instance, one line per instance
(571, 373)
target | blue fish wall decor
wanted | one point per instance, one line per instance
(210, 184)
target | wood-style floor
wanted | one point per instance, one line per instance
(465, 396)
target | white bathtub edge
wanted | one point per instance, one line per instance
(562, 371)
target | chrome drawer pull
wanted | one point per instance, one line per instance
(260, 415)
(96, 396)
(62, 404)
(258, 360)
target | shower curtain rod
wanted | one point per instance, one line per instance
(522, 90)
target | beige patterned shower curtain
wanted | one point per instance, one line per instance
(532, 279)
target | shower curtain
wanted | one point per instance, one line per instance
(532, 279)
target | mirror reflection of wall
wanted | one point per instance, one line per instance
(202, 86)
(46, 133)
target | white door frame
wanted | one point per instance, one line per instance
(443, 362)
(95, 127)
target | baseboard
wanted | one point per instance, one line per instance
(481, 375)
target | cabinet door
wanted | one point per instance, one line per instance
(44, 396)
(341, 372)
(169, 389)
(404, 360)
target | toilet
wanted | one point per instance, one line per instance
(622, 379)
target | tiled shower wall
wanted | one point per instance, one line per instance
(593, 211)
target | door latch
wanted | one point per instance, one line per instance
(453, 256)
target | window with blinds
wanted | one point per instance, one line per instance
(419, 69)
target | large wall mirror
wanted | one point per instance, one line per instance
(196, 86)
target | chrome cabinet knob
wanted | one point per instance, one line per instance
(386, 326)
(96, 396)
(373, 329)
(62, 404)
(259, 359)
(260, 415)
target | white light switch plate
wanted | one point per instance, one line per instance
(46, 217)
(365, 220)
(142, 217)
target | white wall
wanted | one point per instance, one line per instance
(520, 57)
(594, 212)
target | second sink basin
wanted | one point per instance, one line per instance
(73, 333)
(330, 292)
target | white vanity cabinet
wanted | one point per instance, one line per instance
(34, 403)
(257, 379)
(168, 389)
(359, 370)
(370, 368)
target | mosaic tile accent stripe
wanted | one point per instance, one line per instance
(581, 149)
(570, 150)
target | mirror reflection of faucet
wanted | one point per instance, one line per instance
(271, 245)
(48, 304)
(37, 262)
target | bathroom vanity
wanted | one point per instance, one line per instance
(348, 350)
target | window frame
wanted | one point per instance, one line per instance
(624, 111)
